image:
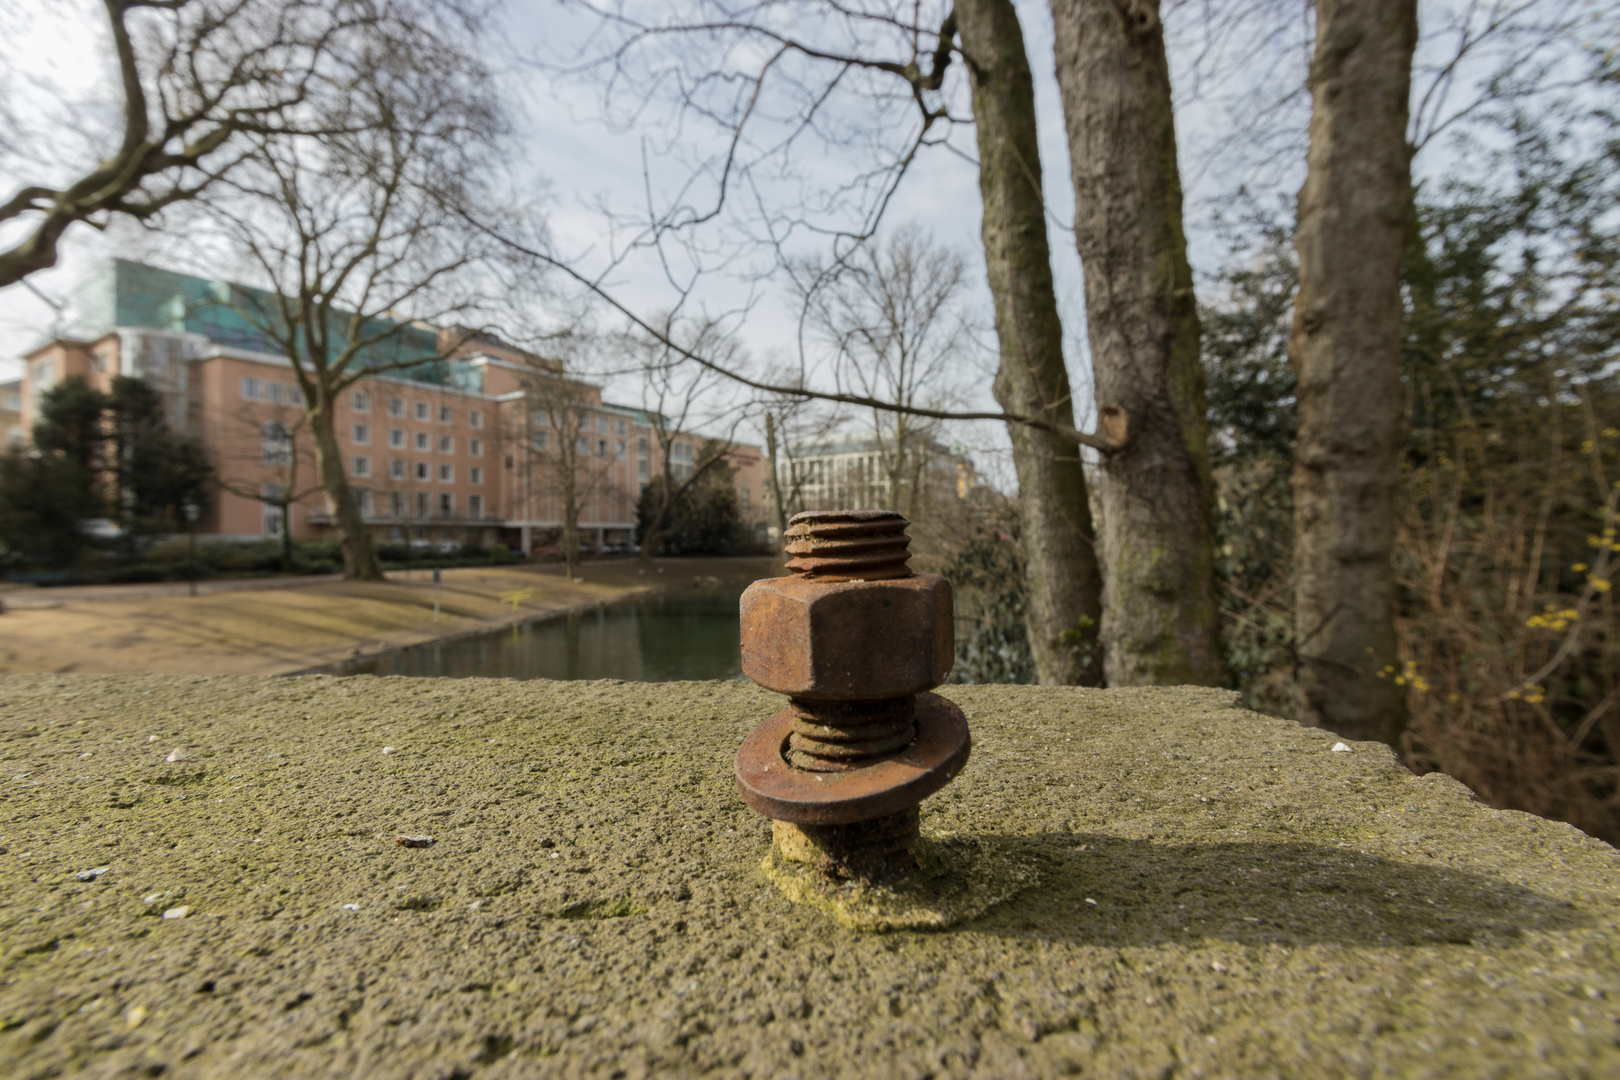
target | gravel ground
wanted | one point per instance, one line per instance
(200, 877)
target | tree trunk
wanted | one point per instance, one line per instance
(569, 456)
(1345, 345)
(570, 540)
(359, 557)
(1160, 621)
(775, 479)
(286, 537)
(1063, 611)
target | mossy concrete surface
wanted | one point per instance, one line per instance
(1217, 894)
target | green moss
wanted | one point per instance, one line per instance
(958, 878)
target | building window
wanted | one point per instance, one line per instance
(475, 447)
(540, 440)
(584, 444)
(601, 448)
(362, 466)
(363, 498)
(447, 474)
(541, 418)
(396, 469)
(619, 429)
(421, 410)
(475, 475)
(271, 494)
(360, 401)
(42, 375)
(447, 415)
(475, 418)
(252, 389)
(746, 495)
(641, 447)
(421, 504)
(421, 440)
(601, 425)
(396, 438)
(620, 453)
(396, 532)
(396, 504)
(275, 444)
(447, 444)
(361, 435)
(642, 470)
(396, 406)
(447, 505)
(475, 506)
(422, 471)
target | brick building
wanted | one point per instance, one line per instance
(445, 451)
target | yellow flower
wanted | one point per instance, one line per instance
(1600, 584)
(1578, 568)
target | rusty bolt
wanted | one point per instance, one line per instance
(855, 640)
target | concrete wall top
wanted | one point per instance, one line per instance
(1214, 893)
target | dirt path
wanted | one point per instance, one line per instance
(311, 622)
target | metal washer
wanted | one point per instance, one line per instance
(777, 790)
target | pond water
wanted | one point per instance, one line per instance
(692, 634)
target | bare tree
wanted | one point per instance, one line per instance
(554, 438)
(672, 393)
(1346, 348)
(275, 445)
(197, 77)
(792, 425)
(776, 79)
(891, 316)
(1160, 621)
(360, 236)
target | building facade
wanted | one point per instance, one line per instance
(12, 431)
(455, 451)
(853, 474)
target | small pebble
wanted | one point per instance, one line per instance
(177, 912)
(388, 749)
(1218, 967)
(151, 738)
(1031, 1032)
(414, 841)
(135, 1017)
(1341, 748)
(85, 754)
(1090, 901)
(92, 873)
(176, 754)
(351, 907)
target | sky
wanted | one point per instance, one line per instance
(585, 160)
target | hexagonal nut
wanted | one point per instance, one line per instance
(848, 640)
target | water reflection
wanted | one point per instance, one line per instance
(686, 635)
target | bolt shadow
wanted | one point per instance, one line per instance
(1254, 893)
